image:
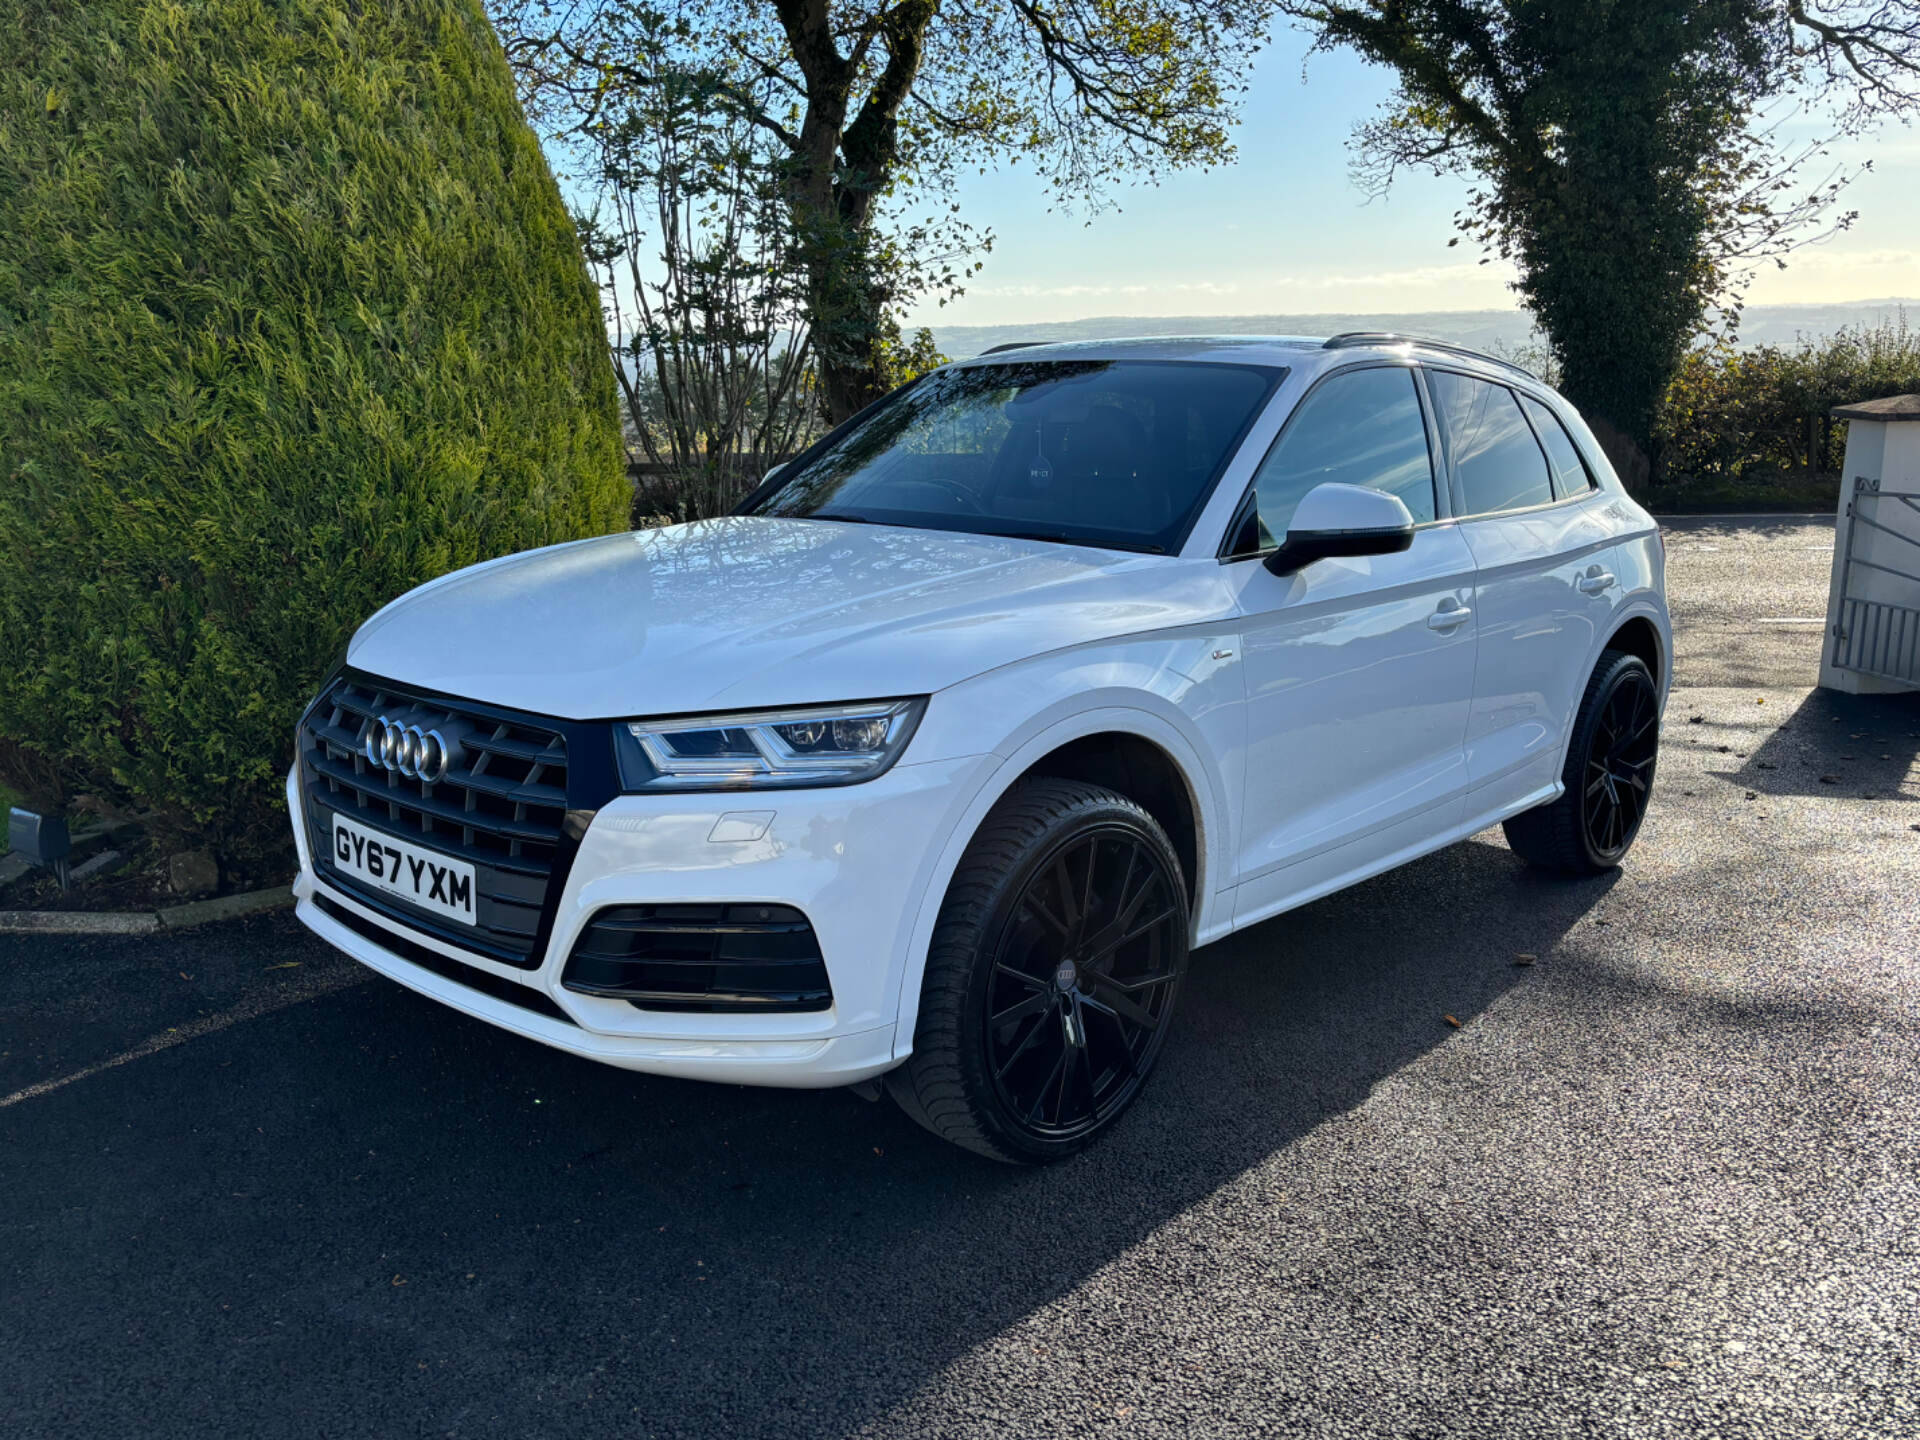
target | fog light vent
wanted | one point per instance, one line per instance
(701, 957)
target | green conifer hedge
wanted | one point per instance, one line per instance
(292, 318)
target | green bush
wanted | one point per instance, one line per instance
(292, 318)
(1761, 415)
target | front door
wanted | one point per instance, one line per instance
(1359, 671)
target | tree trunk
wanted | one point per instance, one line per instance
(845, 311)
(849, 387)
(840, 169)
(1606, 270)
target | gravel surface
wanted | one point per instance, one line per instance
(1665, 1181)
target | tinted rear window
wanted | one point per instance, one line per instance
(1498, 462)
(1570, 475)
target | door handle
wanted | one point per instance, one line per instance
(1595, 582)
(1450, 619)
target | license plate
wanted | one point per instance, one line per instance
(422, 877)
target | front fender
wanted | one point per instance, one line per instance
(1181, 694)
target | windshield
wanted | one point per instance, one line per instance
(1114, 453)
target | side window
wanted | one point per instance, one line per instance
(1360, 428)
(1570, 475)
(1499, 463)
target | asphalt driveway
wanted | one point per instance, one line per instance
(1665, 1181)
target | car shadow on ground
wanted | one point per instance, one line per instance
(365, 1213)
(1835, 746)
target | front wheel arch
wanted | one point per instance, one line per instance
(1206, 797)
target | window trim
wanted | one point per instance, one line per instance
(1453, 478)
(1442, 497)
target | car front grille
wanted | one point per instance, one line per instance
(501, 806)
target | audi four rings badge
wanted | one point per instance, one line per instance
(408, 750)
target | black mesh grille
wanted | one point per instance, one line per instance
(500, 806)
(701, 957)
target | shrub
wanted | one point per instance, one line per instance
(1763, 413)
(292, 318)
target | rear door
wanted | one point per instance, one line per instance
(1359, 671)
(1544, 580)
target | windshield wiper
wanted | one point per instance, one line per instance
(1058, 537)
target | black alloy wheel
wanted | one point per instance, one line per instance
(1052, 976)
(1619, 775)
(1608, 774)
(1082, 981)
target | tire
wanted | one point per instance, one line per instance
(1608, 775)
(1047, 934)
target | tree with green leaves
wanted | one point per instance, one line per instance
(292, 318)
(1627, 154)
(873, 106)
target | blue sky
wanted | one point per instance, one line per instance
(1284, 229)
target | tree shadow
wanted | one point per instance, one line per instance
(1837, 746)
(366, 1213)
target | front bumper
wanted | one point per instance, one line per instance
(857, 860)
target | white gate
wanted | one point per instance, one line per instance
(1873, 604)
(1874, 636)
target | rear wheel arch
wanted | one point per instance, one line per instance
(1637, 635)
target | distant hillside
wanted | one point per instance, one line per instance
(1500, 330)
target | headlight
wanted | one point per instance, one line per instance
(767, 749)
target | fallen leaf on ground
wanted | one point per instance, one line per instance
(1451, 1021)
(285, 965)
(1525, 959)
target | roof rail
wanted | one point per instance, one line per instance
(1350, 338)
(1011, 345)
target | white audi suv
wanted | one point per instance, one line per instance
(928, 768)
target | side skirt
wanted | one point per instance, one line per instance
(1413, 850)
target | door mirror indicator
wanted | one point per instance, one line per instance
(1342, 520)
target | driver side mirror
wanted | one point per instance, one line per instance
(1335, 519)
